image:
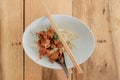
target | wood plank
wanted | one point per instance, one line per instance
(114, 6)
(0, 68)
(11, 33)
(0, 48)
(33, 10)
(101, 65)
(0, 45)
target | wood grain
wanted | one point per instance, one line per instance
(101, 65)
(115, 31)
(0, 45)
(11, 34)
(102, 16)
(33, 10)
(0, 64)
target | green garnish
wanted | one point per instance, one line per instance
(55, 36)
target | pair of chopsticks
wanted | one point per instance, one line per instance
(54, 26)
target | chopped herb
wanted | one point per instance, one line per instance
(55, 36)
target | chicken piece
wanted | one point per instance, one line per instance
(47, 52)
(42, 35)
(39, 43)
(59, 45)
(52, 61)
(51, 30)
(39, 33)
(42, 51)
(50, 33)
(52, 46)
(55, 41)
(53, 56)
(45, 43)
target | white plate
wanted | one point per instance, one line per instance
(85, 42)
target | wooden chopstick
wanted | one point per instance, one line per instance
(54, 26)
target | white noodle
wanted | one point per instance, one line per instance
(69, 37)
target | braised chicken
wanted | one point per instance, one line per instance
(49, 45)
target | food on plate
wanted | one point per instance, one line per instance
(50, 44)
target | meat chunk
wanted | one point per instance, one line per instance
(42, 51)
(49, 45)
(45, 43)
(59, 45)
(39, 43)
(51, 30)
(39, 33)
(53, 56)
(47, 52)
(42, 35)
(50, 33)
(55, 41)
(52, 46)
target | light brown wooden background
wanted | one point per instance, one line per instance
(102, 16)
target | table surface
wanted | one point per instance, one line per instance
(102, 16)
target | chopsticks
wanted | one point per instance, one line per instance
(54, 26)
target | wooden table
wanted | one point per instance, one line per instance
(102, 16)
